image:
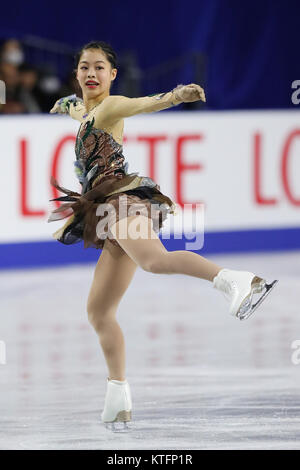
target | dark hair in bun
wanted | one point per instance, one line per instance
(105, 48)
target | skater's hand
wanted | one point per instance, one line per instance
(63, 104)
(189, 93)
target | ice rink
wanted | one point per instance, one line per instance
(200, 379)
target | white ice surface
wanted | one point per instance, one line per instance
(200, 379)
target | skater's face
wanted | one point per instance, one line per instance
(94, 73)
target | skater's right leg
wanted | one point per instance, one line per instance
(113, 274)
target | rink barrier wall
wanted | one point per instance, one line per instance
(54, 253)
(240, 169)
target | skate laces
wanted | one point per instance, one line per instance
(226, 287)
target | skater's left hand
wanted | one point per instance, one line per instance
(189, 93)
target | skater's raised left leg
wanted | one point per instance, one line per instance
(151, 255)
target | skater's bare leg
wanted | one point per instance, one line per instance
(144, 247)
(150, 254)
(113, 273)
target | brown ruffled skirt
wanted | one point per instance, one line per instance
(90, 215)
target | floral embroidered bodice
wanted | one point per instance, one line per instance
(97, 153)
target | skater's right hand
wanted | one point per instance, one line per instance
(63, 104)
(189, 93)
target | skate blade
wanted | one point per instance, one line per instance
(120, 423)
(248, 308)
(117, 426)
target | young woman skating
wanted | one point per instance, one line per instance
(107, 186)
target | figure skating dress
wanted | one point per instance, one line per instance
(103, 174)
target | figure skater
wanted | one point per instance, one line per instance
(103, 174)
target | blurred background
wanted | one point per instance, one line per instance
(199, 378)
(244, 54)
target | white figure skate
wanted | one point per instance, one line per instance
(239, 288)
(117, 406)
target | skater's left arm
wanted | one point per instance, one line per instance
(116, 107)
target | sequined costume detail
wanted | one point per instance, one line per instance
(102, 171)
